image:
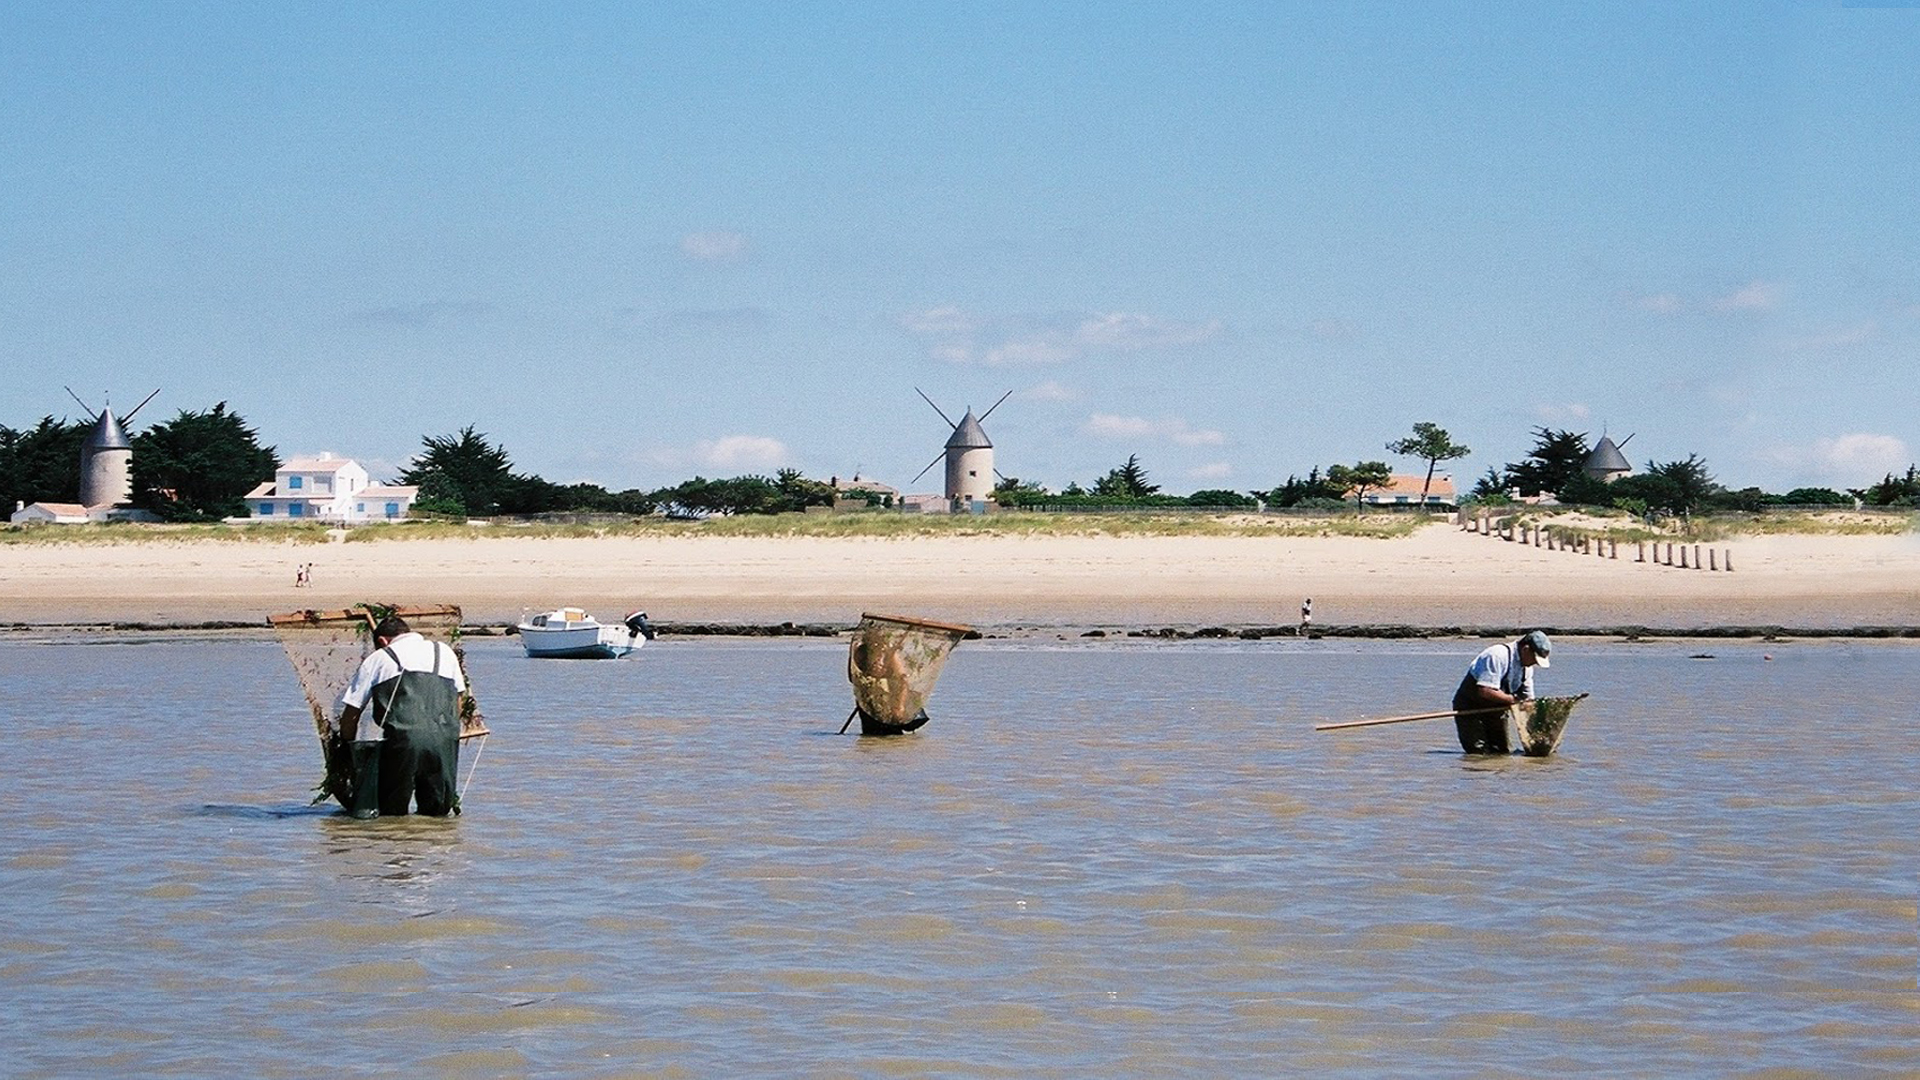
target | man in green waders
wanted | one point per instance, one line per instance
(400, 716)
(1500, 675)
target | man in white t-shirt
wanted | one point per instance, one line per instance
(1501, 675)
(400, 715)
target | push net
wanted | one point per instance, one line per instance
(893, 663)
(326, 647)
(1541, 723)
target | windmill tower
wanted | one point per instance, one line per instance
(1606, 463)
(106, 459)
(968, 454)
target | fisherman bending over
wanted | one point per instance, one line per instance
(1500, 675)
(401, 717)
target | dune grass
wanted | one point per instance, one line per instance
(127, 532)
(1623, 527)
(883, 525)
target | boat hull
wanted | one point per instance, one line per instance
(577, 643)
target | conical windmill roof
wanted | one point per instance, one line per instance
(1606, 457)
(108, 434)
(968, 435)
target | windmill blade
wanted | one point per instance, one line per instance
(997, 404)
(91, 415)
(143, 404)
(936, 408)
(930, 464)
(1623, 442)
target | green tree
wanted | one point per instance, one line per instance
(1429, 443)
(1315, 490)
(199, 466)
(41, 463)
(1675, 487)
(1359, 479)
(1129, 481)
(1557, 459)
(466, 468)
(1490, 488)
(1894, 490)
(1220, 498)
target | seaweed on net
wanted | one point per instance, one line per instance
(1543, 722)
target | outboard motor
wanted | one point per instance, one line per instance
(637, 622)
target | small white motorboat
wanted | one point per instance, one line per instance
(572, 634)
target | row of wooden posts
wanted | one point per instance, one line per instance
(1506, 528)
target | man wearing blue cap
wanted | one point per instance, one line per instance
(1500, 675)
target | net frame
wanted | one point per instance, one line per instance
(893, 662)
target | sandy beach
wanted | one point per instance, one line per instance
(1438, 577)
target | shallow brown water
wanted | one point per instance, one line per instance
(1107, 859)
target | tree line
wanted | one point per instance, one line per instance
(200, 465)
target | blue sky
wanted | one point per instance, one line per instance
(632, 243)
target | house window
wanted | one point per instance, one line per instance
(296, 509)
(294, 482)
(393, 510)
(359, 508)
(323, 484)
(266, 509)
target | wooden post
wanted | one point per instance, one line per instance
(1697, 564)
(1669, 553)
(1713, 558)
(1729, 560)
(1613, 550)
(1683, 557)
(1641, 549)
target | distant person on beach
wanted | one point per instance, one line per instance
(400, 716)
(300, 576)
(1500, 675)
(1306, 615)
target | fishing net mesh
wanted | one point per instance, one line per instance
(893, 663)
(1541, 725)
(326, 647)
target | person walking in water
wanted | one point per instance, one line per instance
(400, 717)
(1501, 675)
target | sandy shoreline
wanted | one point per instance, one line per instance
(1439, 577)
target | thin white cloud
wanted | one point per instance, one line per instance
(1051, 390)
(1171, 429)
(735, 452)
(1552, 412)
(416, 316)
(1839, 338)
(1218, 470)
(741, 451)
(1849, 460)
(1755, 296)
(714, 245)
(957, 336)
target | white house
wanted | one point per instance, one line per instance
(1404, 490)
(51, 513)
(329, 489)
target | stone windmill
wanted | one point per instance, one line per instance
(968, 454)
(1606, 463)
(106, 459)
